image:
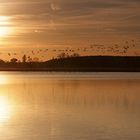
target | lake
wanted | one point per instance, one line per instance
(69, 106)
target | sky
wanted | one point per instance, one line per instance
(35, 24)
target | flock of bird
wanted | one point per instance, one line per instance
(94, 49)
(116, 49)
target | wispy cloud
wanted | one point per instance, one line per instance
(62, 20)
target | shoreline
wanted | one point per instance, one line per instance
(71, 69)
(78, 64)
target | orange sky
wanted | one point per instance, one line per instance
(58, 24)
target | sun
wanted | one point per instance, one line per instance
(4, 26)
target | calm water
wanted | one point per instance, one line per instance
(69, 106)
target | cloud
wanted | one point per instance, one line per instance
(72, 19)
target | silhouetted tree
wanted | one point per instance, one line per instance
(2, 61)
(13, 60)
(75, 55)
(29, 59)
(24, 59)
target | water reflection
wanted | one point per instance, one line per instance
(5, 110)
(58, 107)
(3, 79)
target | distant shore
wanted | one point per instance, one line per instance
(71, 70)
(78, 64)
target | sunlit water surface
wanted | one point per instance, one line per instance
(69, 106)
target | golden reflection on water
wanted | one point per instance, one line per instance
(5, 110)
(3, 79)
(37, 106)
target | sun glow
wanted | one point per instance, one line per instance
(4, 26)
(4, 31)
